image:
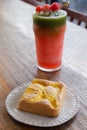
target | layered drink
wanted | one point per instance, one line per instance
(49, 24)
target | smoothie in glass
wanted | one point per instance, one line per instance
(49, 28)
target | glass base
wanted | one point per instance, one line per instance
(49, 70)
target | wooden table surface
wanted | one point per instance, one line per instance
(18, 63)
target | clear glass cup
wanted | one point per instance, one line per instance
(49, 37)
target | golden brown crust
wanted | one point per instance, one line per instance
(38, 108)
(44, 106)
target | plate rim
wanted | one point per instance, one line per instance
(23, 86)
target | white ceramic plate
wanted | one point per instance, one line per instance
(69, 109)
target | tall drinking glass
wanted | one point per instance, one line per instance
(49, 37)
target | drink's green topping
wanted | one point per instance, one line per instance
(51, 21)
(49, 16)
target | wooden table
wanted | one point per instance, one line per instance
(18, 63)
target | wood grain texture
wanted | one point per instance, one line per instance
(19, 14)
(18, 66)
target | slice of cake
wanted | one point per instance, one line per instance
(43, 97)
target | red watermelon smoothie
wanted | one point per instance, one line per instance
(49, 30)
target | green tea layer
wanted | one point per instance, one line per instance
(50, 21)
